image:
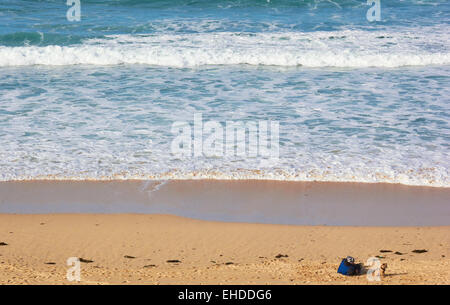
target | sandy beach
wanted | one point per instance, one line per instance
(225, 142)
(137, 249)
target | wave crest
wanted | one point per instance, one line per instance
(348, 48)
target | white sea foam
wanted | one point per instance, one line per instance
(346, 48)
(102, 123)
(435, 177)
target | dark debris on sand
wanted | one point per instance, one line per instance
(281, 255)
(150, 266)
(419, 251)
(86, 261)
(3, 244)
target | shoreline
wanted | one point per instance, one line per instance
(245, 201)
(135, 249)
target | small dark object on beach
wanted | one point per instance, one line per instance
(129, 256)
(149, 266)
(3, 244)
(379, 256)
(398, 253)
(281, 255)
(86, 261)
(385, 251)
(173, 261)
(50, 263)
(229, 263)
(419, 251)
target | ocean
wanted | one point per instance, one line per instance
(100, 98)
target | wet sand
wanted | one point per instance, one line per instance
(248, 201)
(135, 249)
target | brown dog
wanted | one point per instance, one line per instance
(383, 269)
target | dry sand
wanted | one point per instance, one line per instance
(135, 249)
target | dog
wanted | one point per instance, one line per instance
(383, 268)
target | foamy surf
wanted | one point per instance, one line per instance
(346, 49)
(358, 101)
(345, 126)
(423, 177)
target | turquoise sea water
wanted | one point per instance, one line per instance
(355, 100)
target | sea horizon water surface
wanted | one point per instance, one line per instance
(356, 101)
